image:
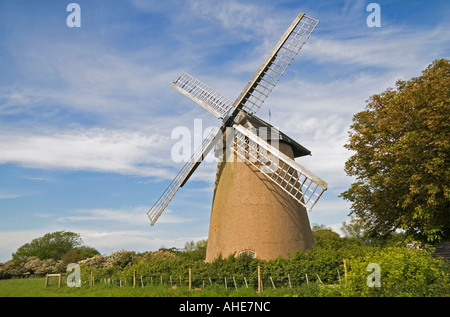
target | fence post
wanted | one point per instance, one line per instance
(190, 279)
(272, 282)
(134, 278)
(259, 279)
(59, 275)
(318, 277)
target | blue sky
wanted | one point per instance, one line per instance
(86, 114)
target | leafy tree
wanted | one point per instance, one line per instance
(78, 254)
(355, 228)
(193, 246)
(50, 246)
(325, 237)
(195, 250)
(401, 162)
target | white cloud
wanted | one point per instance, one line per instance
(391, 49)
(89, 149)
(8, 195)
(129, 216)
(235, 16)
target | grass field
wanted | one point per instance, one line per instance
(35, 287)
(30, 294)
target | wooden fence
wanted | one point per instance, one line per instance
(230, 282)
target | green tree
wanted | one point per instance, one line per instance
(78, 254)
(195, 250)
(401, 162)
(325, 238)
(50, 246)
(355, 228)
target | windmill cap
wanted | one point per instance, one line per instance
(252, 121)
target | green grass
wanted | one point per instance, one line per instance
(35, 287)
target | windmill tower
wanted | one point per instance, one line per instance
(261, 193)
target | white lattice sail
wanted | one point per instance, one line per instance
(216, 103)
(297, 181)
(279, 59)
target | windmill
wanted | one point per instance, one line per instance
(261, 193)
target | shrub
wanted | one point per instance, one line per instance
(121, 259)
(95, 262)
(34, 265)
(403, 273)
(78, 254)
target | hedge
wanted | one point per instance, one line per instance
(402, 272)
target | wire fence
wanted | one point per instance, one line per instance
(258, 279)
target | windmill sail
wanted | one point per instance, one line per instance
(183, 175)
(297, 181)
(279, 59)
(213, 101)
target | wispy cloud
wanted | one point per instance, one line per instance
(4, 194)
(88, 149)
(392, 49)
(77, 79)
(129, 216)
(125, 216)
(126, 228)
(41, 179)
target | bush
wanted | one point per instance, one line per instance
(121, 259)
(34, 265)
(95, 262)
(79, 254)
(403, 273)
